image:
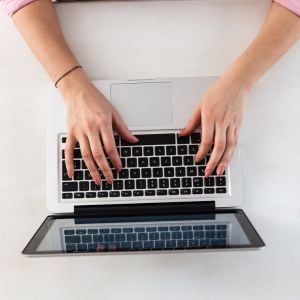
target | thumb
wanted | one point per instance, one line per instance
(192, 124)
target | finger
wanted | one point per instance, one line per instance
(231, 141)
(108, 140)
(88, 158)
(69, 154)
(218, 150)
(207, 132)
(122, 129)
(99, 156)
(193, 123)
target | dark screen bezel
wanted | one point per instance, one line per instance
(255, 240)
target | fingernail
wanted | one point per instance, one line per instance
(206, 173)
(119, 168)
(97, 180)
(136, 139)
(181, 131)
(220, 171)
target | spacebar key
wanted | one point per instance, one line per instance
(156, 139)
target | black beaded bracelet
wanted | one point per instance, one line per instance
(60, 78)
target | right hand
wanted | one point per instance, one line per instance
(91, 119)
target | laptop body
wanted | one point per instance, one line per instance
(175, 209)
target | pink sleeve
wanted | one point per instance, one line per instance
(11, 6)
(293, 5)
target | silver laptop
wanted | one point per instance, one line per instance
(161, 199)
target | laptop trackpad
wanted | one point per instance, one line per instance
(143, 104)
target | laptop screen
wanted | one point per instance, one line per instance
(224, 229)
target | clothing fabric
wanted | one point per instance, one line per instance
(11, 6)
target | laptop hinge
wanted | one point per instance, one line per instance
(122, 210)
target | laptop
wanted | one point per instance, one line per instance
(160, 201)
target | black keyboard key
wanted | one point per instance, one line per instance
(84, 186)
(221, 234)
(137, 151)
(88, 175)
(191, 171)
(141, 183)
(177, 161)
(94, 186)
(198, 227)
(123, 174)
(185, 191)
(186, 227)
(162, 228)
(143, 162)
(159, 150)
(198, 234)
(78, 195)
(209, 191)
(87, 239)
(69, 186)
(117, 140)
(174, 228)
(118, 184)
(169, 172)
(126, 193)
(152, 183)
(104, 230)
(193, 243)
(182, 243)
(142, 236)
(151, 229)
(171, 150)
(120, 237)
(221, 190)
(109, 238)
(123, 162)
(186, 182)
(188, 160)
(195, 138)
(155, 139)
(163, 183)
(201, 171)
(197, 182)
(193, 149)
(63, 139)
(165, 161)
(131, 162)
(77, 153)
(197, 191)
(210, 234)
(83, 165)
(148, 245)
(125, 151)
(67, 196)
(183, 139)
(146, 173)
(138, 193)
(134, 173)
(102, 194)
(209, 181)
(148, 151)
(222, 227)
(90, 195)
(105, 185)
(175, 182)
(173, 192)
(162, 192)
(221, 181)
(70, 247)
(182, 150)
(157, 172)
(92, 231)
(187, 235)
(170, 244)
(114, 194)
(116, 230)
(153, 236)
(129, 184)
(154, 161)
(150, 193)
(77, 164)
(73, 239)
(78, 175)
(180, 171)
(159, 244)
(127, 229)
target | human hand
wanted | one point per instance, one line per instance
(220, 114)
(91, 119)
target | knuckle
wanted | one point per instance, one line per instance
(220, 145)
(85, 155)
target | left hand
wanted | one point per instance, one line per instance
(220, 113)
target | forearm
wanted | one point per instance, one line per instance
(280, 31)
(39, 26)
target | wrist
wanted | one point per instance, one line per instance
(73, 83)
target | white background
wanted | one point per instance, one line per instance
(154, 39)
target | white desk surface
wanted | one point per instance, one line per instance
(155, 39)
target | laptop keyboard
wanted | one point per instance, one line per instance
(146, 237)
(159, 165)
